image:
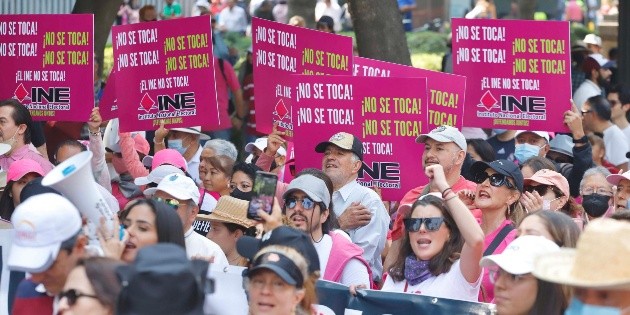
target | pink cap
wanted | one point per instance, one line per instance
(141, 144)
(22, 167)
(616, 178)
(550, 178)
(169, 156)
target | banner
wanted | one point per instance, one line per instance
(445, 92)
(165, 73)
(336, 299)
(519, 72)
(387, 119)
(48, 64)
(280, 50)
(108, 105)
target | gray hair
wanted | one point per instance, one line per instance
(594, 171)
(222, 147)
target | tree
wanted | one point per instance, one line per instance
(105, 12)
(379, 30)
(527, 8)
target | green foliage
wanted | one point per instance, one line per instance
(426, 42)
(578, 31)
(427, 61)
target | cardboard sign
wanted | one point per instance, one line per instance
(165, 73)
(280, 50)
(387, 120)
(48, 64)
(519, 72)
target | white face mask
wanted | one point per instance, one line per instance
(11, 141)
(547, 204)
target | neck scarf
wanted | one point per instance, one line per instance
(416, 270)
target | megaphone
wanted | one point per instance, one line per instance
(73, 178)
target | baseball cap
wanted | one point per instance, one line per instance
(177, 185)
(111, 138)
(518, 258)
(326, 21)
(589, 64)
(34, 188)
(550, 178)
(592, 39)
(345, 141)
(614, 179)
(504, 167)
(261, 144)
(312, 186)
(281, 265)
(562, 144)
(41, 224)
(194, 130)
(165, 156)
(159, 271)
(22, 167)
(157, 174)
(542, 134)
(248, 246)
(445, 134)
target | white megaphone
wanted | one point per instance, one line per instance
(73, 178)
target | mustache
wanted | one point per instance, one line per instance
(297, 214)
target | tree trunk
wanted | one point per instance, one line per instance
(623, 40)
(527, 8)
(305, 9)
(105, 12)
(379, 30)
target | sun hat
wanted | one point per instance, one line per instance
(518, 258)
(196, 130)
(229, 210)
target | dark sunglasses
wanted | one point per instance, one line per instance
(496, 179)
(174, 203)
(307, 203)
(73, 295)
(540, 189)
(431, 224)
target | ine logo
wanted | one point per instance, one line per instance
(39, 95)
(511, 104)
(167, 102)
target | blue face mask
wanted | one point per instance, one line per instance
(578, 308)
(177, 145)
(499, 131)
(522, 152)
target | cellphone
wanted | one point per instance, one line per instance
(264, 191)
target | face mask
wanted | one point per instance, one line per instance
(254, 159)
(578, 308)
(11, 141)
(595, 205)
(523, 152)
(177, 145)
(499, 131)
(239, 194)
(547, 203)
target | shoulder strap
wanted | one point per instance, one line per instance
(222, 67)
(498, 239)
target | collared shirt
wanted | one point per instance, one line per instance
(234, 19)
(372, 236)
(25, 152)
(193, 166)
(197, 245)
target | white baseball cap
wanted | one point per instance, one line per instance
(41, 223)
(158, 174)
(445, 134)
(542, 134)
(177, 185)
(518, 258)
(194, 130)
(592, 39)
(261, 144)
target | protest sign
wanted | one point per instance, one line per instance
(108, 105)
(165, 73)
(519, 72)
(280, 50)
(228, 296)
(387, 120)
(48, 64)
(445, 91)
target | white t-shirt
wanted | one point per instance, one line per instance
(197, 245)
(193, 166)
(626, 132)
(355, 272)
(450, 285)
(587, 89)
(616, 145)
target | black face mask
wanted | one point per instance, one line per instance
(595, 205)
(254, 159)
(239, 194)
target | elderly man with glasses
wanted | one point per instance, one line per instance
(596, 192)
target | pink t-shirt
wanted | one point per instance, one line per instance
(486, 286)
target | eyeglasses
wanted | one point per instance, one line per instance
(592, 190)
(431, 224)
(307, 203)
(495, 274)
(584, 111)
(174, 203)
(73, 295)
(496, 179)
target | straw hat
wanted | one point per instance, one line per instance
(599, 261)
(229, 210)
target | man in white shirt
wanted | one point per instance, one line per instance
(186, 141)
(233, 18)
(619, 99)
(360, 210)
(181, 193)
(596, 114)
(596, 78)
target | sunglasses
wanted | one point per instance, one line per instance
(540, 189)
(174, 203)
(73, 295)
(307, 203)
(512, 278)
(496, 179)
(431, 224)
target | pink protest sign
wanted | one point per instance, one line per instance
(48, 64)
(445, 91)
(280, 50)
(387, 120)
(519, 72)
(108, 105)
(165, 74)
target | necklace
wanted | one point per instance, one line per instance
(231, 261)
